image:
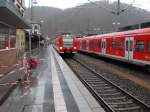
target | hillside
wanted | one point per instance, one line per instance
(87, 18)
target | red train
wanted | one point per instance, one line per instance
(65, 44)
(130, 46)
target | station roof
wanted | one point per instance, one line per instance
(10, 17)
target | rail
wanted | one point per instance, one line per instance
(108, 94)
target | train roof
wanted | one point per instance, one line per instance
(93, 36)
(127, 33)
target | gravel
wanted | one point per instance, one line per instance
(119, 72)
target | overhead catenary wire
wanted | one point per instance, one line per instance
(118, 12)
(130, 5)
(98, 6)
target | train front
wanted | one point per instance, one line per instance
(69, 44)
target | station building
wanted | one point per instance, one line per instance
(12, 35)
(135, 26)
(37, 38)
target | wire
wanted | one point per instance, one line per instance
(113, 12)
(130, 5)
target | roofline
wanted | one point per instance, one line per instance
(144, 31)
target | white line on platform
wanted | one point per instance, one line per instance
(83, 98)
(60, 105)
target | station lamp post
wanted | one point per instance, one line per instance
(40, 31)
(30, 31)
(31, 2)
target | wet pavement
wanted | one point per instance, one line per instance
(54, 88)
(6, 86)
(36, 97)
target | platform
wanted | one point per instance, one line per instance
(54, 88)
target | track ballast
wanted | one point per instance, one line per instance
(109, 95)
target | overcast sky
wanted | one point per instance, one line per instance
(63, 4)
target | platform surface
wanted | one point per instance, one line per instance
(54, 88)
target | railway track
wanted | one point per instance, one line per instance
(109, 95)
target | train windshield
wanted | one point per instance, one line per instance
(68, 38)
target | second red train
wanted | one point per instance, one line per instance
(130, 46)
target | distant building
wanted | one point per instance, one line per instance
(135, 26)
(36, 36)
(36, 28)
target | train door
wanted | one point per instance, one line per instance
(129, 48)
(103, 45)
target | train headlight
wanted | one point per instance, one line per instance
(74, 47)
(60, 48)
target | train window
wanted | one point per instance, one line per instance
(127, 45)
(104, 45)
(131, 45)
(101, 44)
(120, 45)
(113, 44)
(139, 46)
(148, 46)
